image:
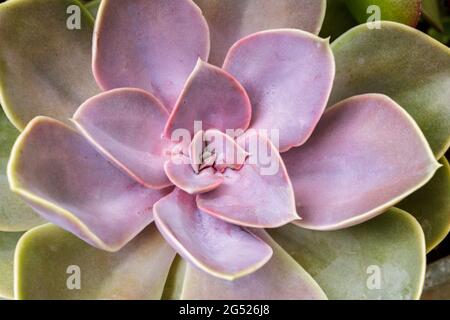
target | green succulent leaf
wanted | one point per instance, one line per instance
(280, 278)
(338, 19)
(437, 281)
(383, 258)
(175, 279)
(430, 205)
(15, 215)
(45, 58)
(8, 241)
(54, 264)
(402, 11)
(403, 63)
(443, 36)
(431, 12)
(92, 7)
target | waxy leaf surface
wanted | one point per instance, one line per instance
(49, 260)
(383, 258)
(406, 65)
(45, 59)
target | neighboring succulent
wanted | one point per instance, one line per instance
(268, 152)
(344, 14)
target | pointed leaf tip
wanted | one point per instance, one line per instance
(156, 54)
(288, 93)
(366, 154)
(219, 248)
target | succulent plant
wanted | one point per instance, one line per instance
(217, 150)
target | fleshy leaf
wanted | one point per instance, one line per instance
(444, 36)
(365, 155)
(288, 75)
(126, 125)
(430, 205)
(431, 12)
(398, 66)
(402, 11)
(15, 215)
(231, 20)
(180, 172)
(338, 19)
(70, 184)
(210, 154)
(155, 50)
(195, 150)
(281, 278)
(229, 154)
(45, 60)
(49, 262)
(217, 247)
(437, 281)
(383, 258)
(175, 279)
(213, 97)
(92, 7)
(8, 241)
(258, 195)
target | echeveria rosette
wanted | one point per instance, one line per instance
(115, 164)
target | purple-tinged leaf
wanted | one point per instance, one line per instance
(260, 194)
(69, 183)
(231, 20)
(213, 97)
(126, 126)
(288, 75)
(217, 247)
(152, 45)
(195, 150)
(406, 65)
(365, 155)
(228, 153)
(281, 278)
(179, 171)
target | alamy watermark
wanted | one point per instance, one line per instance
(73, 281)
(374, 277)
(213, 148)
(73, 22)
(374, 19)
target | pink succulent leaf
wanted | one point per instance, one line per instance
(196, 151)
(281, 278)
(152, 45)
(213, 97)
(229, 154)
(217, 247)
(365, 155)
(126, 126)
(231, 20)
(210, 153)
(258, 195)
(288, 75)
(180, 172)
(59, 173)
